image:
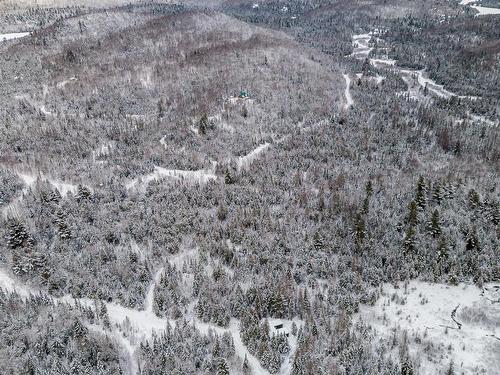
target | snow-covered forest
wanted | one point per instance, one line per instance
(288, 187)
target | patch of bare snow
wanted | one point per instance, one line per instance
(424, 311)
(361, 44)
(62, 84)
(483, 120)
(201, 176)
(148, 302)
(244, 162)
(10, 36)
(347, 93)
(485, 11)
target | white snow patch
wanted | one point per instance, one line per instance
(148, 302)
(361, 44)
(244, 162)
(62, 84)
(10, 36)
(483, 120)
(424, 311)
(484, 11)
(348, 96)
(201, 176)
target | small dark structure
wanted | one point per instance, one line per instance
(278, 326)
(244, 95)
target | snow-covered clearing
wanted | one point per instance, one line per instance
(424, 311)
(483, 11)
(361, 44)
(244, 162)
(10, 36)
(347, 93)
(201, 176)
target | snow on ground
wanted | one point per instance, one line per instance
(163, 142)
(148, 302)
(348, 96)
(103, 150)
(483, 120)
(10, 36)
(201, 176)
(239, 347)
(244, 162)
(361, 46)
(130, 362)
(62, 84)
(130, 326)
(11, 285)
(484, 11)
(377, 63)
(361, 52)
(424, 311)
(29, 180)
(378, 78)
(286, 367)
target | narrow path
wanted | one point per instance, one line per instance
(143, 323)
(348, 96)
(244, 162)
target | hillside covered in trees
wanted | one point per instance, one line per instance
(234, 187)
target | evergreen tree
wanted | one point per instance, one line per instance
(409, 242)
(222, 367)
(442, 254)
(18, 235)
(203, 124)
(318, 241)
(412, 214)
(437, 194)
(474, 200)
(228, 177)
(421, 194)
(434, 224)
(471, 240)
(359, 229)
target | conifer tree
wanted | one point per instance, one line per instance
(222, 367)
(434, 224)
(421, 194)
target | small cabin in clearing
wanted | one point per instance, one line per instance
(244, 94)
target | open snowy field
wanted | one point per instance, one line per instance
(444, 324)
